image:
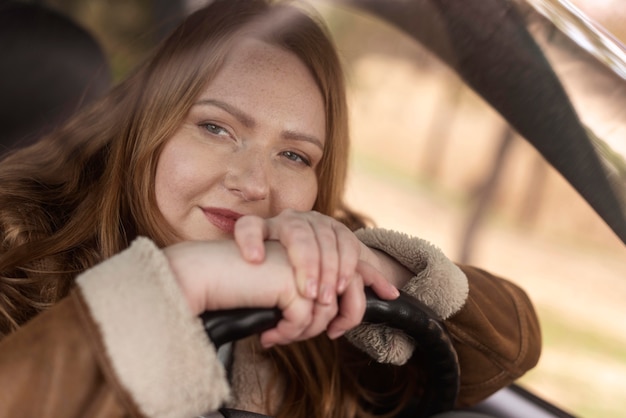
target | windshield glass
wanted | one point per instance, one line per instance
(433, 159)
(585, 46)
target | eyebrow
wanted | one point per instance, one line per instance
(249, 122)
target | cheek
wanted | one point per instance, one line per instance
(175, 177)
(298, 195)
(164, 185)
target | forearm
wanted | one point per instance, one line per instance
(213, 276)
(391, 269)
(492, 322)
(419, 268)
(422, 271)
(55, 366)
(496, 335)
(121, 341)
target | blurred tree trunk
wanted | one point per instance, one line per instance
(438, 133)
(483, 197)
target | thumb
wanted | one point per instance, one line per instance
(250, 233)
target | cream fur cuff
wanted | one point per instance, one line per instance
(438, 283)
(159, 350)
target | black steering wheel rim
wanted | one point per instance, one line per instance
(404, 313)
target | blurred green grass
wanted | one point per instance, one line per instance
(584, 378)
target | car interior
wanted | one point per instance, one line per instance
(480, 41)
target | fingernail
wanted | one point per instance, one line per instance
(334, 334)
(341, 286)
(253, 254)
(327, 295)
(311, 288)
(394, 290)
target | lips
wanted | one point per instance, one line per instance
(223, 219)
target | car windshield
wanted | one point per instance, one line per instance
(432, 158)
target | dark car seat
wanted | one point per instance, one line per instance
(50, 67)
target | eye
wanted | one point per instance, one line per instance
(296, 157)
(215, 129)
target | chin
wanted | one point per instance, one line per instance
(214, 234)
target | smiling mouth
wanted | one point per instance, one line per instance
(223, 219)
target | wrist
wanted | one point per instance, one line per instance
(389, 267)
(213, 275)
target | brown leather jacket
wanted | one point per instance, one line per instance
(123, 343)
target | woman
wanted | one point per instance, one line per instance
(212, 178)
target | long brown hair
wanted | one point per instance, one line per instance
(83, 193)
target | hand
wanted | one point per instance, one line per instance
(327, 258)
(323, 251)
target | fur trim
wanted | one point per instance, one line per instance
(438, 283)
(382, 343)
(159, 350)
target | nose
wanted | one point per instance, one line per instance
(248, 175)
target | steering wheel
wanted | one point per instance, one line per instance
(404, 313)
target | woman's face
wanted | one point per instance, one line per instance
(249, 145)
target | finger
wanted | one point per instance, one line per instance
(323, 315)
(351, 309)
(303, 251)
(381, 286)
(277, 336)
(296, 319)
(250, 232)
(349, 249)
(327, 242)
